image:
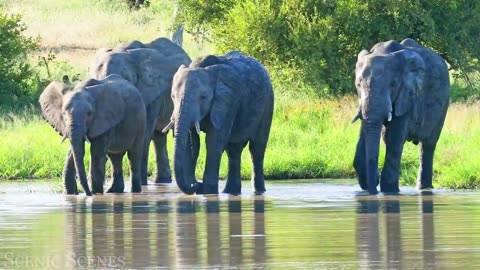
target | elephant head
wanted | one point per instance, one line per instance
(388, 82)
(202, 93)
(82, 113)
(150, 67)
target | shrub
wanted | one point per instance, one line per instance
(16, 73)
(317, 41)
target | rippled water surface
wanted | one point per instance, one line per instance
(315, 225)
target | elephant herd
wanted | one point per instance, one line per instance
(137, 92)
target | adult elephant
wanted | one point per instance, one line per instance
(230, 98)
(404, 88)
(150, 67)
(109, 113)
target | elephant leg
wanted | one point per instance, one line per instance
(360, 161)
(135, 160)
(98, 158)
(257, 151)
(234, 183)
(425, 170)
(118, 185)
(163, 174)
(212, 164)
(394, 140)
(151, 121)
(69, 173)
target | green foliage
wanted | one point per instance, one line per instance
(317, 41)
(310, 138)
(16, 73)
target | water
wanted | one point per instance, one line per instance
(316, 225)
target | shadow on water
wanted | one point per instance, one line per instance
(178, 234)
(295, 225)
(379, 218)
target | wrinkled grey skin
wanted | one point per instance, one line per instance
(150, 67)
(109, 113)
(409, 85)
(231, 99)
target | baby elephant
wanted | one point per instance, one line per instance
(109, 113)
(230, 98)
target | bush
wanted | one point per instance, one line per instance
(317, 41)
(17, 80)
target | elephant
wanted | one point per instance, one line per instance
(108, 113)
(230, 98)
(404, 92)
(150, 67)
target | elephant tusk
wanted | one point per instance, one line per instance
(355, 118)
(197, 127)
(168, 127)
(389, 117)
(86, 139)
(64, 138)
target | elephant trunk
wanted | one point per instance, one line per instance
(183, 161)
(77, 135)
(195, 139)
(372, 144)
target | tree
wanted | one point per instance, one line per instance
(317, 41)
(16, 73)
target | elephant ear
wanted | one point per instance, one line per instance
(108, 110)
(155, 74)
(412, 81)
(227, 87)
(362, 54)
(51, 103)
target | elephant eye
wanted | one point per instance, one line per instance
(203, 97)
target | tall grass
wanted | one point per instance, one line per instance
(309, 139)
(74, 29)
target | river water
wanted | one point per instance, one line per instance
(313, 225)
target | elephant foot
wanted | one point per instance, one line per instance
(363, 184)
(144, 182)
(136, 188)
(389, 189)
(116, 189)
(423, 186)
(259, 190)
(206, 189)
(232, 189)
(426, 192)
(72, 192)
(163, 180)
(97, 190)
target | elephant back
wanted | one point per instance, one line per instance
(254, 74)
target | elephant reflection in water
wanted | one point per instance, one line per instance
(369, 247)
(136, 234)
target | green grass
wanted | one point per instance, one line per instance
(309, 139)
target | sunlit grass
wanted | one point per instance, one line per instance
(74, 29)
(309, 139)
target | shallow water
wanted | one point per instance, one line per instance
(315, 225)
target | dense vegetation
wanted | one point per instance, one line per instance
(16, 72)
(307, 46)
(317, 41)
